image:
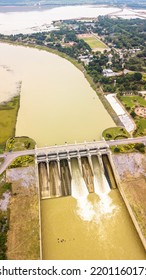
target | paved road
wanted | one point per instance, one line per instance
(127, 141)
(10, 156)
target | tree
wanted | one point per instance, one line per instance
(137, 76)
(140, 147)
(116, 150)
(133, 114)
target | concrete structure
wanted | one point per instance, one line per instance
(55, 159)
(93, 146)
(142, 93)
(121, 113)
(108, 73)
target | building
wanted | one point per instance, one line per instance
(108, 73)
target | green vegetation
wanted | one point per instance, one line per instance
(120, 32)
(22, 161)
(124, 83)
(115, 133)
(20, 143)
(140, 127)
(5, 187)
(59, 40)
(133, 101)
(130, 103)
(4, 217)
(4, 225)
(8, 116)
(94, 42)
(128, 148)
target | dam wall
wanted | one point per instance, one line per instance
(55, 172)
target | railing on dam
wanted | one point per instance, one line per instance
(72, 153)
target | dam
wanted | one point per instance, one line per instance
(79, 195)
(55, 169)
(89, 213)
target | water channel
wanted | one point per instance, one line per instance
(57, 106)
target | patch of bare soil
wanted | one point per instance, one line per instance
(1, 161)
(4, 202)
(23, 235)
(132, 173)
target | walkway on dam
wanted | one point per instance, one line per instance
(10, 156)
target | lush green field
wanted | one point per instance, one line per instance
(132, 101)
(115, 133)
(22, 161)
(8, 117)
(141, 127)
(128, 148)
(94, 43)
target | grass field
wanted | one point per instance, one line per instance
(8, 117)
(144, 77)
(132, 101)
(94, 42)
(115, 133)
(20, 143)
(141, 127)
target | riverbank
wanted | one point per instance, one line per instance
(8, 118)
(23, 236)
(131, 169)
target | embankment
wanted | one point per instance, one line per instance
(131, 170)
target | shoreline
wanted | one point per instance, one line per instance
(130, 179)
(44, 16)
(98, 91)
(9, 111)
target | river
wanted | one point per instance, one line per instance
(58, 105)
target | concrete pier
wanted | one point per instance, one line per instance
(55, 171)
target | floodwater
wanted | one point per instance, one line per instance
(9, 83)
(41, 20)
(15, 20)
(58, 105)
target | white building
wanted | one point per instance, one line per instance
(108, 73)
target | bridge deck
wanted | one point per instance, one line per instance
(69, 148)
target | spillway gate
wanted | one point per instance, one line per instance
(55, 169)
